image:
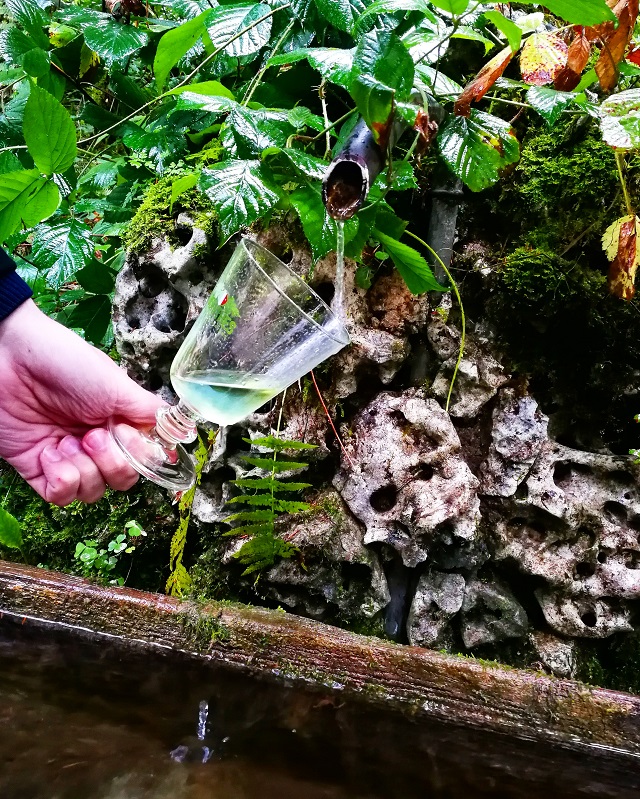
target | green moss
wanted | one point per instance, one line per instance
(612, 663)
(205, 629)
(155, 218)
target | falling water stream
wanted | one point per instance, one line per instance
(337, 304)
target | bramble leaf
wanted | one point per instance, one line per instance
(549, 103)
(25, 196)
(49, 132)
(620, 120)
(93, 315)
(113, 41)
(62, 250)
(579, 12)
(415, 271)
(543, 57)
(225, 21)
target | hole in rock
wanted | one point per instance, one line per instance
(620, 476)
(152, 283)
(602, 557)
(589, 619)
(522, 491)
(584, 569)
(423, 471)
(154, 381)
(126, 349)
(627, 495)
(354, 574)
(632, 559)
(615, 512)
(398, 416)
(383, 499)
(286, 257)
(134, 322)
(183, 234)
(536, 531)
(561, 473)
(326, 291)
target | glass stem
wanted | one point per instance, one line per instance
(176, 424)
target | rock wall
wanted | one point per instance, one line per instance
(460, 530)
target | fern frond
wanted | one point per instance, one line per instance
(266, 500)
(274, 466)
(179, 581)
(251, 516)
(278, 444)
(261, 551)
(251, 529)
(270, 484)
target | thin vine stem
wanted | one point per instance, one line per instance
(258, 78)
(627, 199)
(454, 286)
(333, 427)
(190, 76)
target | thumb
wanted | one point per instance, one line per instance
(134, 403)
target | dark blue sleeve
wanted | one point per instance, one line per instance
(13, 290)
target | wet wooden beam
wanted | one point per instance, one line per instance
(418, 681)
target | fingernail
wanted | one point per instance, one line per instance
(96, 440)
(70, 446)
(51, 454)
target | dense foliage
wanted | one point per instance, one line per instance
(245, 102)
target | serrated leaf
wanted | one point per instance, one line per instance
(436, 82)
(10, 532)
(483, 81)
(96, 278)
(251, 516)
(391, 6)
(31, 18)
(102, 175)
(319, 228)
(509, 29)
(297, 161)
(14, 45)
(334, 64)
(279, 444)
(49, 132)
(543, 57)
(25, 196)
(93, 315)
(477, 149)
(549, 103)
(241, 191)
(175, 44)
(113, 41)
(9, 162)
(301, 117)
(36, 62)
(579, 12)
(620, 242)
(225, 22)
(415, 271)
(382, 73)
(342, 14)
(249, 131)
(62, 250)
(274, 466)
(269, 483)
(620, 120)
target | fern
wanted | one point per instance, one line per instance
(179, 581)
(263, 546)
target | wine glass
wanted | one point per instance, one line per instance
(261, 330)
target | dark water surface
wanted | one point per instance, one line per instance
(87, 720)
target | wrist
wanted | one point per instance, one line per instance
(14, 328)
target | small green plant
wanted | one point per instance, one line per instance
(101, 563)
(263, 546)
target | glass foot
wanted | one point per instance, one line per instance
(168, 465)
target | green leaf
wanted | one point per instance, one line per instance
(62, 250)
(225, 22)
(342, 14)
(31, 18)
(415, 271)
(288, 159)
(96, 278)
(208, 88)
(9, 162)
(175, 44)
(335, 65)
(93, 315)
(36, 62)
(548, 102)
(14, 45)
(578, 12)
(270, 484)
(10, 532)
(275, 466)
(49, 132)
(319, 228)
(391, 6)
(435, 82)
(241, 191)
(249, 131)
(511, 31)
(452, 6)
(251, 516)
(471, 34)
(113, 41)
(478, 148)
(181, 185)
(25, 196)
(279, 444)
(620, 120)
(382, 72)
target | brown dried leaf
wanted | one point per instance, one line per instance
(427, 128)
(577, 59)
(543, 57)
(615, 42)
(482, 82)
(620, 244)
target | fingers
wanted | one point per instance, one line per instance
(70, 474)
(102, 450)
(92, 485)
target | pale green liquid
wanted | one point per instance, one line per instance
(224, 397)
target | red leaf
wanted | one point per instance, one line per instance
(634, 56)
(622, 270)
(482, 82)
(615, 42)
(427, 128)
(577, 59)
(543, 57)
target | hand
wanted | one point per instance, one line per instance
(57, 393)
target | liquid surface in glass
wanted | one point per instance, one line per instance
(224, 397)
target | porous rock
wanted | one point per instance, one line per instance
(437, 600)
(557, 655)
(408, 483)
(490, 613)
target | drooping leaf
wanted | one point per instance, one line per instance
(113, 41)
(620, 120)
(175, 44)
(49, 132)
(36, 62)
(620, 244)
(31, 18)
(415, 271)
(25, 196)
(10, 532)
(181, 185)
(96, 278)
(208, 88)
(249, 131)
(241, 191)
(543, 57)
(478, 149)
(319, 228)
(391, 6)
(452, 6)
(549, 103)
(93, 315)
(483, 81)
(436, 82)
(511, 31)
(382, 73)
(342, 14)
(577, 59)
(615, 44)
(62, 250)
(578, 12)
(332, 63)
(224, 22)
(473, 35)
